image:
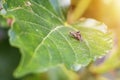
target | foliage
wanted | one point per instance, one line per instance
(3, 22)
(41, 30)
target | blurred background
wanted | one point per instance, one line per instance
(105, 68)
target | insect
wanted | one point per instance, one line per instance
(76, 35)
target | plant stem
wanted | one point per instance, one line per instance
(79, 10)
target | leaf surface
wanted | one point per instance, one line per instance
(13, 3)
(45, 40)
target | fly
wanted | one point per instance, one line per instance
(76, 35)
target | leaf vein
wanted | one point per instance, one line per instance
(49, 11)
(68, 44)
(57, 49)
(34, 24)
(35, 14)
(36, 49)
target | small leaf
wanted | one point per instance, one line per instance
(46, 42)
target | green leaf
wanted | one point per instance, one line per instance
(3, 21)
(13, 3)
(45, 40)
(56, 73)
